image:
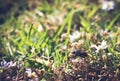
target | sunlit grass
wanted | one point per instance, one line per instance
(41, 41)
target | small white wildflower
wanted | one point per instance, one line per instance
(68, 71)
(111, 35)
(102, 46)
(30, 73)
(52, 18)
(108, 5)
(5, 64)
(60, 19)
(96, 47)
(109, 54)
(76, 60)
(28, 70)
(39, 13)
(11, 64)
(63, 36)
(63, 48)
(33, 50)
(74, 36)
(40, 28)
(103, 32)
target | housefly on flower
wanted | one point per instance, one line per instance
(77, 53)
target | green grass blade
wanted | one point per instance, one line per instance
(112, 22)
(63, 26)
(30, 31)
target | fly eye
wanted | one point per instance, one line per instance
(74, 52)
(80, 53)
